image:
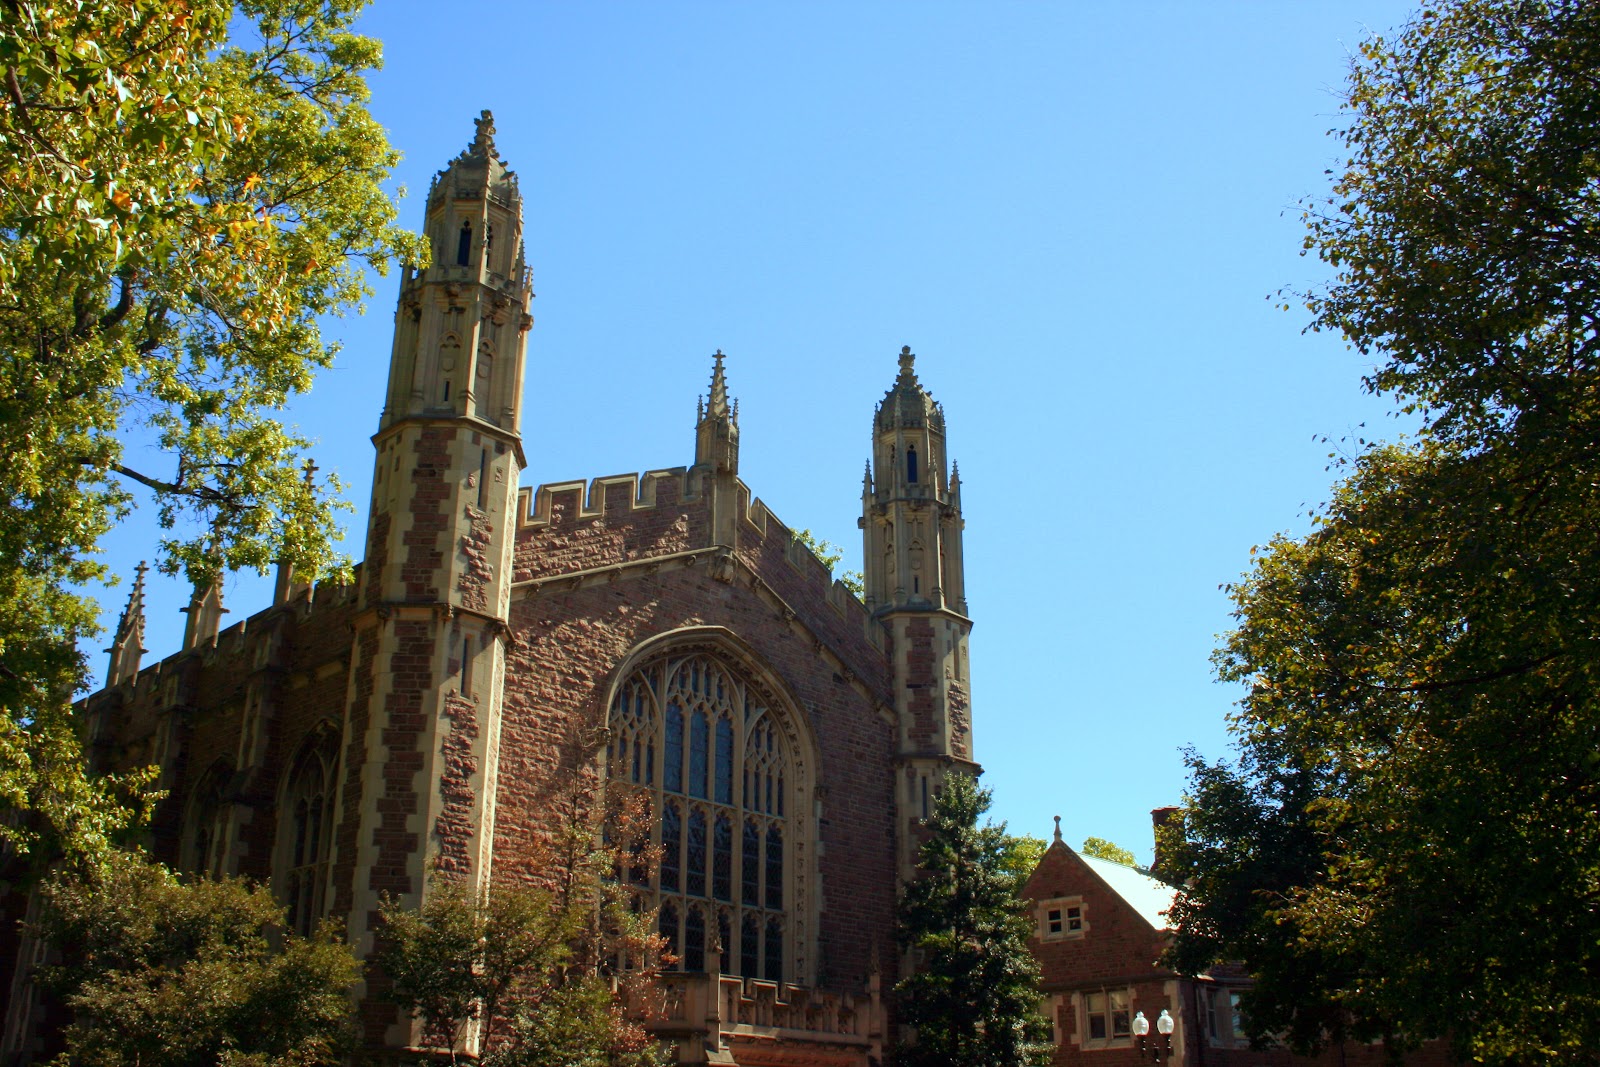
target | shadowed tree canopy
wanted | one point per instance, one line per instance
(1408, 846)
(157, 971)
(186, 186)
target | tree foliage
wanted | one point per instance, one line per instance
(829, 555)
(186, 186)
(185, 975)
(1100, 848)
(974, 997)
(1408, 847)
(1022, 855)
(539, 973)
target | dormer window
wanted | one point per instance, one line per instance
(464, 245)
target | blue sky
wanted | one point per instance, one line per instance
(1074, 214)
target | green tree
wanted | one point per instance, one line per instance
(974, 996)
(178, 207)
(185, 975)
(1100, 848)
(1407, 847)
(829, 555)
(1022, 854)
(541, 971)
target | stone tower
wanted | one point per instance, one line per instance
(911, 528)
(421, 733)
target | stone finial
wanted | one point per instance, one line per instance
(205, 613)
(127, 646)
(1058, 830)
(483, 137)
(908, 360)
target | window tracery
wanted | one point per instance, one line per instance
(205, 839)
(708, 744)
(305, 831)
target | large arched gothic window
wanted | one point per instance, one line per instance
(206, 823)
(712, 748)
(305, 829)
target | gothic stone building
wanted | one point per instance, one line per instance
(664, 629)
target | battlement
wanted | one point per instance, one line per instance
(625, 497)
(591, 500)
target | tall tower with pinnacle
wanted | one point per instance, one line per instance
(911, 531)
(421, 735)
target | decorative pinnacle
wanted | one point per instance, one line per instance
(907, 364)
(483, 138)
(719, 387)
(1058, 829)
(135, 595)
(310, 469)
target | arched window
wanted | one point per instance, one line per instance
(708, 744)
(911, 464)
(464, 245)
(305, 830)
(206, 825)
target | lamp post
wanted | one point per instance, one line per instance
(1159, 1050)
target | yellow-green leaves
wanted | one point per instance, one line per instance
(177, 210)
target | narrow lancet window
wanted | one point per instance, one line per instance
(464, 245)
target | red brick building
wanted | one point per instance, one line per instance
(1099, 931)
(664, 630)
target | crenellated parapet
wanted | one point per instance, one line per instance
(654, 514)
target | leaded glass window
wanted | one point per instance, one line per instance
(707, 744)
(305, 826)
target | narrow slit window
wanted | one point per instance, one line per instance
(464, 245)
(911, 464)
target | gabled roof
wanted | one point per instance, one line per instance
(1147, 896)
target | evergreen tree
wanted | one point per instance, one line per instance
(975, 993)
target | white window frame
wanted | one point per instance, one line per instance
(1086, 1012)
(1056, 920)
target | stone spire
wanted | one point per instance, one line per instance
(127, 645)
(288, 585)
(716, 441)
(719, 385)
(205, 613)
